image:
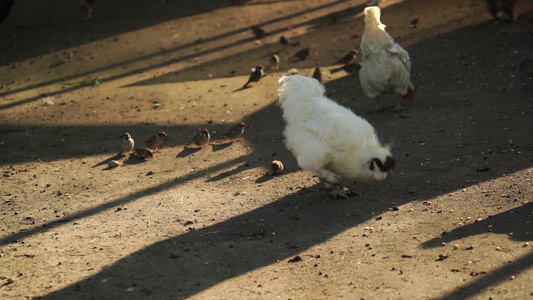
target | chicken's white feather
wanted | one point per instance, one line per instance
(386, 66)
(325, 137)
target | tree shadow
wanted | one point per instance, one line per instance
(204, 257)
(195, 7)
(502, 273)
(516, 223)
(434, 158)
(10, 238)
(229, 173)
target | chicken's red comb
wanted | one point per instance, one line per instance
(410, 93)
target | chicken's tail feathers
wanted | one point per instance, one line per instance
(297, 91)
(296, 87)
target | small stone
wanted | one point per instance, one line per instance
(113, 164)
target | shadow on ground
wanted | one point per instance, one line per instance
(460, 131)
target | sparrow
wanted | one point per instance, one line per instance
(285, 41)
(373, 3)
(155, 140)
(201, 138)
(274, 61)
(256, 75)
(90, 5)
(144, 153)
(258, 31)
(127, 143)
(302, 54)
(277, 167)
(413, 23)
(236, 132)
(317, 74)
(348, 57)
(68, 55)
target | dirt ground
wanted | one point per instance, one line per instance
(454, 221)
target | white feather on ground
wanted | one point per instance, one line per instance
(327, 138)
(386, 66)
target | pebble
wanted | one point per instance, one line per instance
(113, 163)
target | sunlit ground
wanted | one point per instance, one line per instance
(212, 223)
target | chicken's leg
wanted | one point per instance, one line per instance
(399, 106)
(379, 107)
(331, 181)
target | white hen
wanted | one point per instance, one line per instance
(329, 139)
(386, 67)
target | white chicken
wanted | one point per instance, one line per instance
(329, 139)
(386, 67)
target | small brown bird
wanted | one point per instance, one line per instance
(144, 153)
(503, 10)
(286, 41)
(258, 31)
(317, 74)
(201, 138)
(68, 55)
(274, 62)
(155, 140)
(277, 167)
(236, 132)
(127, 143)
(90, 5)
(348, 57)
(302, 54)
(256, 75)
(413, 24)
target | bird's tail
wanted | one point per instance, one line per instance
(295, 91)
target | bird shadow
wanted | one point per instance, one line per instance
(229, 173)
(188, 151)
(266, 177)
(221, 146)
(241, 89)
(352, 68)
(134, 160)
